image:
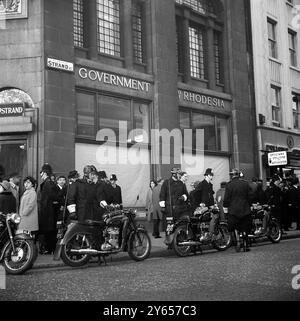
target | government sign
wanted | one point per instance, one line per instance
(60, 65)
(277, 158)
(11, 110)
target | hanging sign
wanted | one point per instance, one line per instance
(277, 158)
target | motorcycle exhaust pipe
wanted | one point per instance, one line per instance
(189, 243)
(94, 252)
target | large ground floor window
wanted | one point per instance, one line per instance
(215, 129)
(98, 111)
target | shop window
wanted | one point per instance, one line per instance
(292, 48)
(140, 123)
(108, 33)
(85, 106)
(137, 31)
(296, 112)
(276, 102)
(215, 129)
(272, 39)
(78, 29)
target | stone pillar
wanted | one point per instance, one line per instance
(211, 68)
(91, 8)
(127, 33)
(186, 46)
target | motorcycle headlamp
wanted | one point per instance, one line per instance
(15, 218)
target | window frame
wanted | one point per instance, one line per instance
(192, 111)
(292, 35)
(97, 100)
(296, 111)
(274, 107)
(272, 39)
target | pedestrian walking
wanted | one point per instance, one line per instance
(114, 192)
(149, 202)
(48, 200)
(294, 201)
(29, 207)
(274, 198)
(220, 199)
(237, 201)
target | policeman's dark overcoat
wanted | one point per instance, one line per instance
(48, 199)
(238, 198)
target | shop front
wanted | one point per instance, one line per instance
(280, 154)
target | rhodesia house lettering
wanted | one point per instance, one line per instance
(196, 98)
(114, 80)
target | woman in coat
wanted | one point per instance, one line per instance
(28, 207)
(149, 203)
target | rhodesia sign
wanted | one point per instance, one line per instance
(277, 159)
(11, 110)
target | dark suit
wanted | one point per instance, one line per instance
(294, 204)
(238, 199)
(170, 192)
(204, 192)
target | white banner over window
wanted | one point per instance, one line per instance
(133, 178)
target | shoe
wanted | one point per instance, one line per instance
(157, 237)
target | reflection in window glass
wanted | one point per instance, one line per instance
(207, 123)
(85, 105)
(222, 132)
(140, 123)
(111, 110)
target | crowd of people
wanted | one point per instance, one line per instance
(42, 208)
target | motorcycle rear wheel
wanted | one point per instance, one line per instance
(139, 245)
(224, 239)
(22, 260)
(275, 233)
(181, 235)
(78, 241)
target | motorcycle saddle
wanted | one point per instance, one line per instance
(93, 223)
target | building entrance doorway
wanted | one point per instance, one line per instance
(13, 157)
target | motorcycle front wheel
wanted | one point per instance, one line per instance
(139, 245)
(77, 242)
(180, 236)
(275, 233)
(223, 239)
(22, 259)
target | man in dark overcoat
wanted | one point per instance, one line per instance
(48, 201)
(237, 202)
(294, 200)
(82, 202)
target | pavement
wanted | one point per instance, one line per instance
(46, 261)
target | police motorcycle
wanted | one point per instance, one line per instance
(117, 232)
(190, 233)
(17, 249)
(264, 224)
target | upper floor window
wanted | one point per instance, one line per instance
(197, 58)
(292, 48)
(218, 57)
(78, 30)
(296, 112)
(201, 6)
(108, 24)
(137, 31)
(276, 105)
(272, 39)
